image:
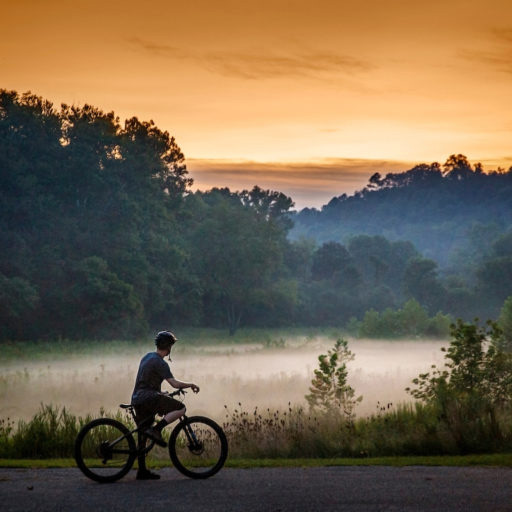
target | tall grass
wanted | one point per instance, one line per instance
(51, 433)
(293, 432)
(408, 429)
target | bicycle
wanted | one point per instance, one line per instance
(105, 449)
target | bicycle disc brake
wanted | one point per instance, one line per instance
(197, 447)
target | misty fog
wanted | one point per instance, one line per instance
(226, 374)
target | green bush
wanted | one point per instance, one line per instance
(411, 320)
(473, 393)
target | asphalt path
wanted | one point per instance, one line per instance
(370, 488)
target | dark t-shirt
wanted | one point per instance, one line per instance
(152, 371)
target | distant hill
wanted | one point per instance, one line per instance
(442, 210)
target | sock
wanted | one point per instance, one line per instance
(160, 425)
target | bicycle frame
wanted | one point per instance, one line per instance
(188, 432)
(138, 451)
(197, 446)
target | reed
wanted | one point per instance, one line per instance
(290, 432)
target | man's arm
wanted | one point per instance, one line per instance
(178, 384)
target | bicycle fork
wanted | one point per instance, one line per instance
(194, 445)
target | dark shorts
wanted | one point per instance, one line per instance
(160, 404)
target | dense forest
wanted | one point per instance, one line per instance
(451, 213)
(103, 238)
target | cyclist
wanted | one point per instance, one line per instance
(148, 399)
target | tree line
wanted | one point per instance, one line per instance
(103, 238)
(450, 212)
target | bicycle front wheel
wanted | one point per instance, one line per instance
(198, 447)
(105, 450)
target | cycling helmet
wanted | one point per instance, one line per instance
(165, 339)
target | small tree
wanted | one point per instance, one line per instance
(474, 387)
(329, 391)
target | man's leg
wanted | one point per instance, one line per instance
(174, 415)
(143, 473)
(171, 410)
(141, 457)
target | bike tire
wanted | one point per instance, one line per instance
(105, 450)
(207, 456)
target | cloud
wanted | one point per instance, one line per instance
(253, 66)
(500, 58)
(500, 61)
(258, 65)
(309, 184)
(503, 34)
(157, 49)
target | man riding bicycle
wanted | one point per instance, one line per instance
(148, 399)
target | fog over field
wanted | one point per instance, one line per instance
(227, 374)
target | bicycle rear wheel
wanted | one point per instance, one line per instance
(198, 447)
(105, 450)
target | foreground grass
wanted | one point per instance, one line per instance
(408, 432)
(499, 460)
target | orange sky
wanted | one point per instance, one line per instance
(305, 97)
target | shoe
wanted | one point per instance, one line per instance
(147, 475)
(156, 436)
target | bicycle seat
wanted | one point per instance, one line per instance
(125, 406)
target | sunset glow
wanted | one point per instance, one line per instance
(309, 98)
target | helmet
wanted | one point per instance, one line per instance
(165, 339)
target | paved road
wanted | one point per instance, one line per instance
(267, 490)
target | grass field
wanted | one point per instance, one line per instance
(265, 368)
(254, 385)
(501, 460)
(189, 338)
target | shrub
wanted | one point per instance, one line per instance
(329, 391)
(411, 320)
(474, 389)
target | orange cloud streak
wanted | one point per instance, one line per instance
(278, 81)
